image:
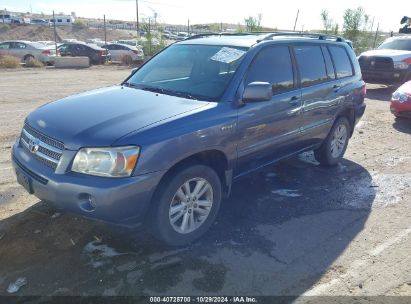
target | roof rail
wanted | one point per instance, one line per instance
(222, 34)
(319, 36)
(202, 35)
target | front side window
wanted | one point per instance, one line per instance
(273, 65)
(194, 71)
(311, 64)
(341, 61)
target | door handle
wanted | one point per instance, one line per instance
(294, 100)
(336, 87)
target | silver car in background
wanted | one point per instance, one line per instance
(27, 51)
(118, 51)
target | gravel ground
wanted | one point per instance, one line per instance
(295, 228)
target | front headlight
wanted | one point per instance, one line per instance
(400, 96)
(110, 162)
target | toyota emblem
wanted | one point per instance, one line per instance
(34, 145)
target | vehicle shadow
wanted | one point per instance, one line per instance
(278, 234)
(380, 92)
(403, 125)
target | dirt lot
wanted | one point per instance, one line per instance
(293, 229)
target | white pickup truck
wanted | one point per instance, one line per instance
(389, 63)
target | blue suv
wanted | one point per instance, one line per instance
(164, 147)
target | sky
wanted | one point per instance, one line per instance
(275, 14)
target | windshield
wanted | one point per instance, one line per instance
(192, 71)
(396, 44)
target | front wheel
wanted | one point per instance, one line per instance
(333, 148)
(185, 207)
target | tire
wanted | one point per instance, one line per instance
(28, 58)
(168, 205)
(331, 151)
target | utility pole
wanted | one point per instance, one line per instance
(55, 33)
(138, 24)
(296, 18)
(188, 27)
(221, 27)
(105, 31)
(372, 24)
(376, 34)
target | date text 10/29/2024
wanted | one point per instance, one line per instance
(235, 299)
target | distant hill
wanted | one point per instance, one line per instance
(38, 32)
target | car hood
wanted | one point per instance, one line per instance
(99, 117)
(406, 88)
(396, 55)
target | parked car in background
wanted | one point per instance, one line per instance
(389, 63)
(119, 51)
(132, 42)
(182, 36)
(401, 101)
(27, 51)
(47, 42)
(96, 54)
(165, 146)
(40, 22)
(96, 41)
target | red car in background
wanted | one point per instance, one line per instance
(401, 101)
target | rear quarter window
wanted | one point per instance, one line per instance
(342, 62)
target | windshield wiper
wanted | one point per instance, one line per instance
(161, 90)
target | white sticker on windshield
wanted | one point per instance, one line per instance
(227, 55)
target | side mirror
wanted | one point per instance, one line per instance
(134, 70)
(258, 91)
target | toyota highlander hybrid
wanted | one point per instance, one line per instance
(164, 147)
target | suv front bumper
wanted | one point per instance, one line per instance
(381, 76)
(118, 200)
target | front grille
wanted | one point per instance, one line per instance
(44, 148)
(376, 63)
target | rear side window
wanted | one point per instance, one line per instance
(273, 65)
(311, 64)
(328, 63)
(342, 62)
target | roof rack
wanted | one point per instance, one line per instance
(269, 35)
(310, 35)
(224, 34)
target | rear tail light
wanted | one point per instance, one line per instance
(364, 90)
(136, 52)
(46, 52)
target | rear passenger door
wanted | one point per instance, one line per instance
(319, 90)
(269, 130)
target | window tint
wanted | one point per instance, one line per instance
(341, 61)
(328, 63)
(311, 64)
(4, 45)
(273, 65)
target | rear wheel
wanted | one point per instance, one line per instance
(333, 148)
(28, 59)
(186, 206)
